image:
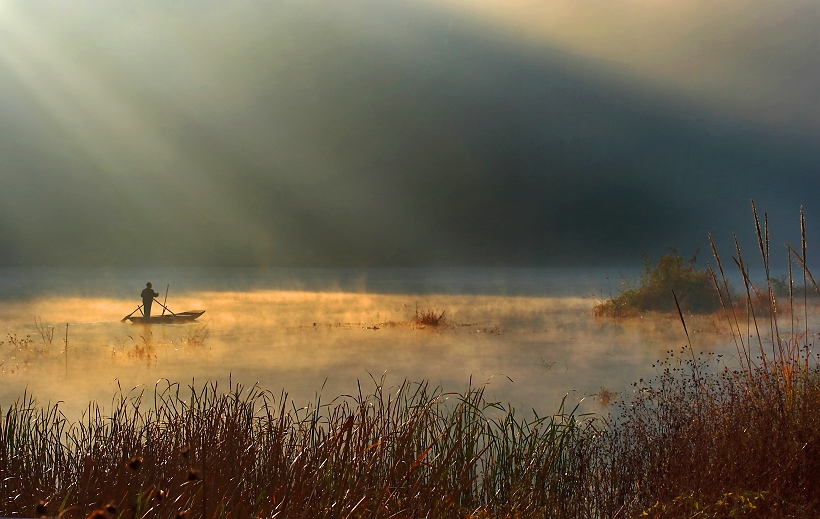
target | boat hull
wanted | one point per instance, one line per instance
(178, 318)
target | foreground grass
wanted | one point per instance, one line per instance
(704, 438)
(412, 452)
(734, 443)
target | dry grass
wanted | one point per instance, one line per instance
(410, 452)
(429, 317)
(707, 440)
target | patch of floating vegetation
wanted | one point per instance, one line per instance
(422, 318)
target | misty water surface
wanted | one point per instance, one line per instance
(528, 335)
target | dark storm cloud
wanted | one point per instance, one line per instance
(364, 134)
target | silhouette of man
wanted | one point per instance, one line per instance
(148, 296)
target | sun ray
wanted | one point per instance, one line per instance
(106, 126)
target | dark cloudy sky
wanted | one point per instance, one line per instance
(402, 132)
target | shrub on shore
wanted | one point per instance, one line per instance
(693, 286)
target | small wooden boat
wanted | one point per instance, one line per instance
(178, 318)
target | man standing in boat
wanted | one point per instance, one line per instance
(148, 296)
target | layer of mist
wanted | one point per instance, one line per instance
(529, 350)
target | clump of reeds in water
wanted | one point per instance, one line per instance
(429, 317)
(409, 452)
(706, 439)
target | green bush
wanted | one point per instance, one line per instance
(693, 286)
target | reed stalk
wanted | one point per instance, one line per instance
(412, 450)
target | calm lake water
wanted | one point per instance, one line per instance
(528, 335)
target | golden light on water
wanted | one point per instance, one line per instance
(529, 350)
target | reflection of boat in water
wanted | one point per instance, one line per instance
(178, 318)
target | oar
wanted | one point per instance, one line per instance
(162, 305)
(166, 298)
(129, 315)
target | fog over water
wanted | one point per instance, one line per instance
(283, 331)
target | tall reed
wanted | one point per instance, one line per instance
(408, 452)
(711, 438)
